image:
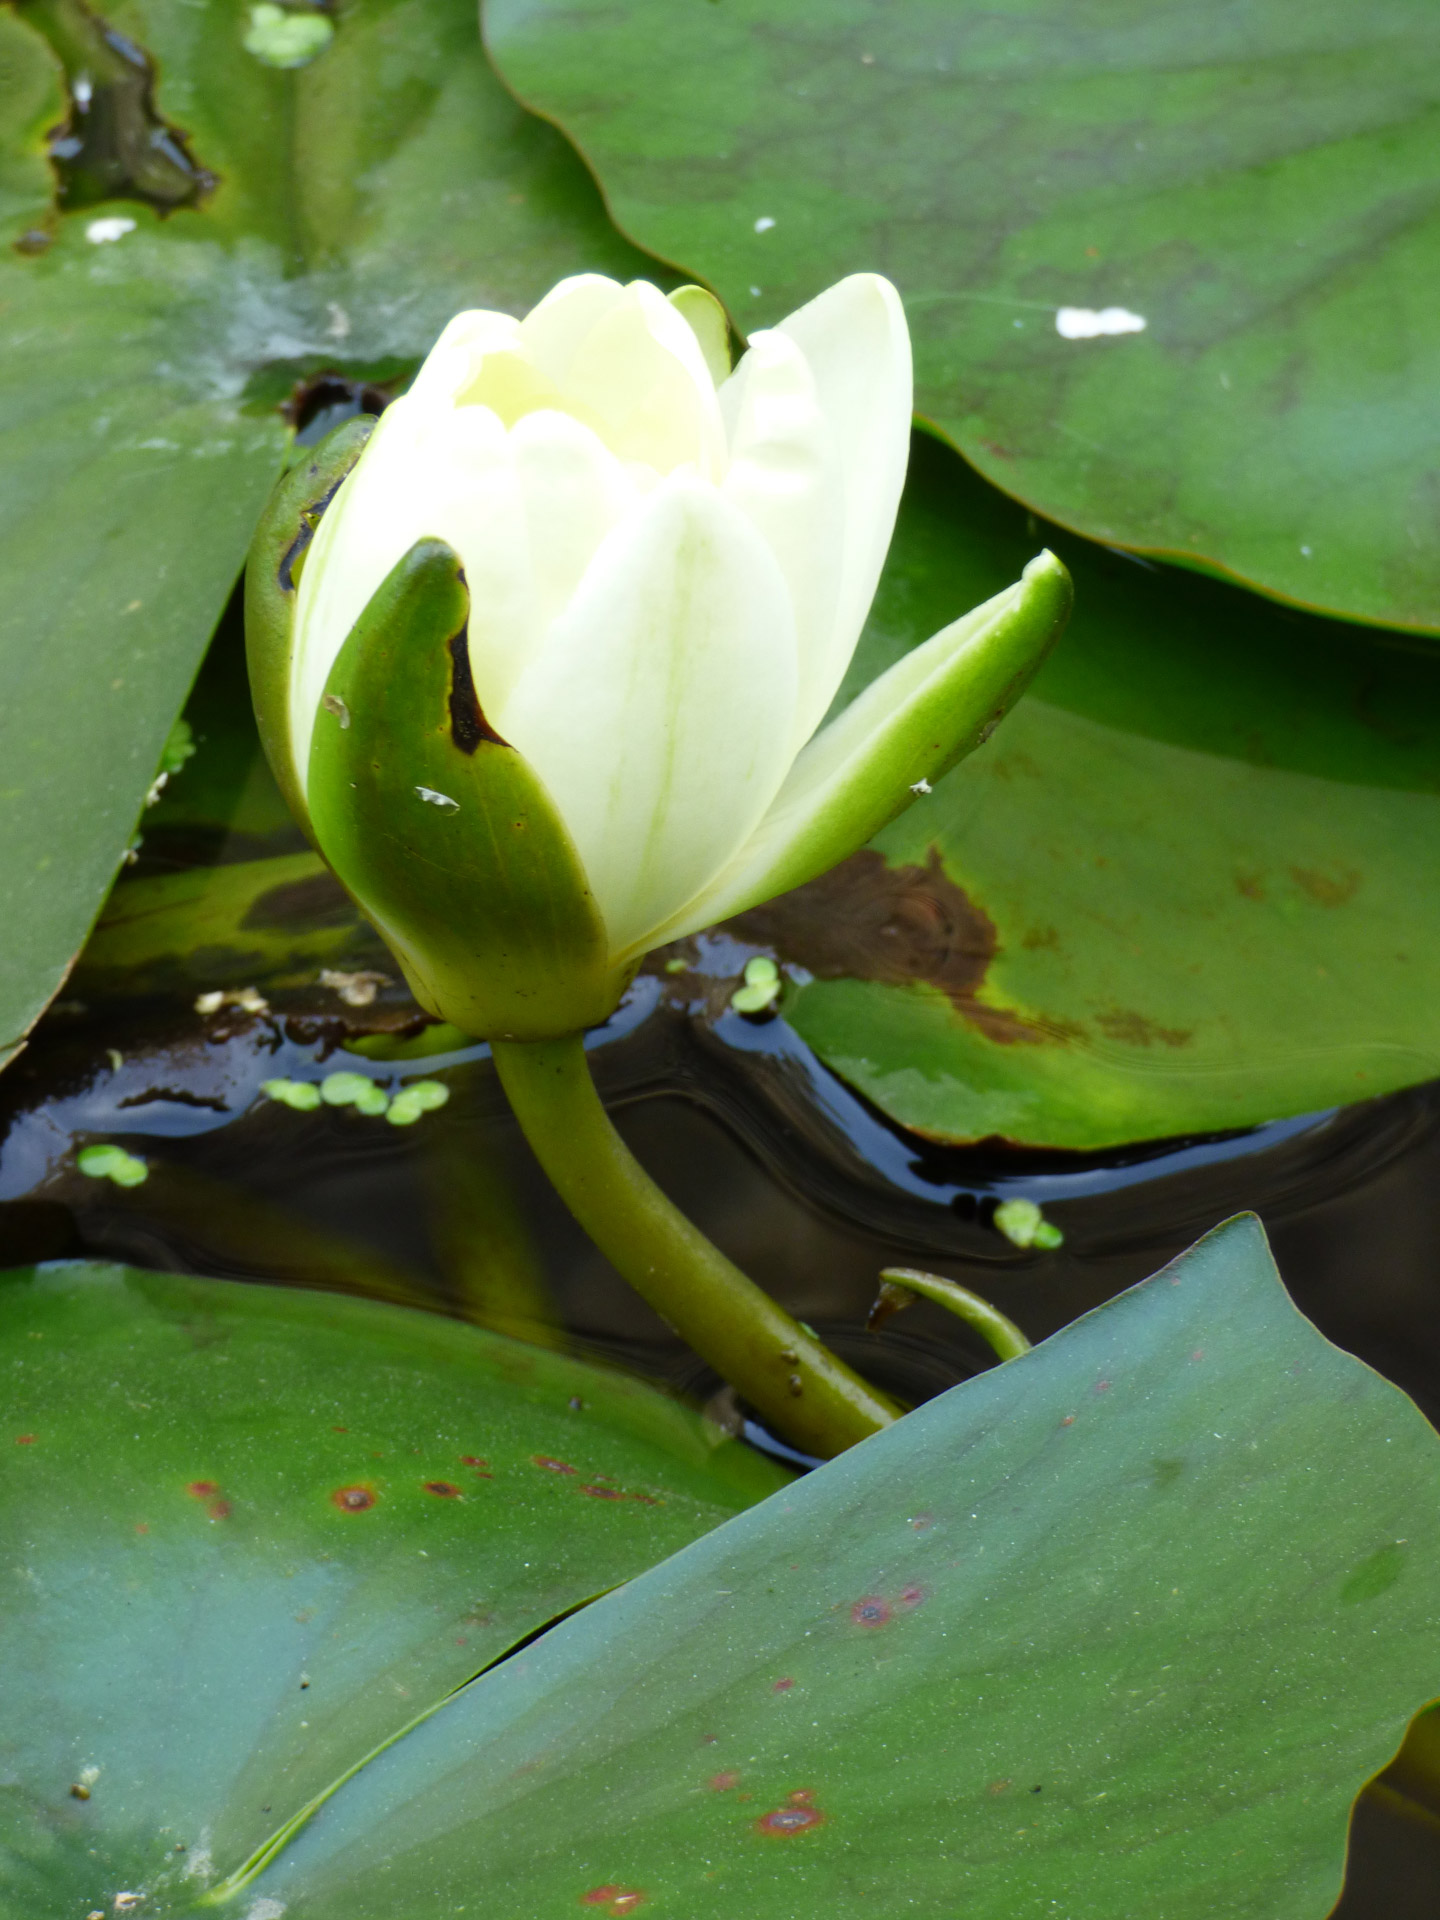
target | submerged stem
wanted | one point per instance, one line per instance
(899, 1287)
(796, 1383)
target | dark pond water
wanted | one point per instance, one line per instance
(800, 1181)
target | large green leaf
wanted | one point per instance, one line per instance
(361, 199)
(1191, 883)
(1254, 185)
(250, 1535)
(1120, 1627)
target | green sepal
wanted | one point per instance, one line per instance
(887, 749)
(477, 890)
(272, 575)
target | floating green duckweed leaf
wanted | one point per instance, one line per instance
(107, 1162)
(302, 1095)
(761, 988)
(421, 1096)
(1024, 1225)
(284, 38)
(354, 1090)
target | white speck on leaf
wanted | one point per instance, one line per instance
(921, 786)
(764, 223)
(1087, 323)
(111, 226)
(441, 800)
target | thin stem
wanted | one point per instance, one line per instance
(900, 1285)
(795, 1382)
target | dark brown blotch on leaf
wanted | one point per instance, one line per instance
(867, 920)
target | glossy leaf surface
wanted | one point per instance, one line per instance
(249, 1535)
(1190, 884)
(1171, 271)
(357, 202)
(1118, 1627)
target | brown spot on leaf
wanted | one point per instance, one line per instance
(553, 1466)
(870, 1612)
(443, 1489)
(25, 1439)
(1250, 886)
(613, 1899)
(796, 1816)
(353, 1499)
(1134, 1030)
(723, 1782)
(604, 1493)
(1327, 889)
(203, 1489)
(866, 920)
(782, 1686)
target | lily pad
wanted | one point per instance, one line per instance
(1171, 271)
(1189, 885)
(334, 216)
(251, 1535)
(1120, 1626)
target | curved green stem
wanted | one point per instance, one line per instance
(795, 1382)
(900, 1285)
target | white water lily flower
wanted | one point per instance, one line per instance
(668, 566)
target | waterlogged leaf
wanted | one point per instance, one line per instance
(327, 216)
(1171, 271)
(250, 1535)
(1189, 885)
(1119, 1627)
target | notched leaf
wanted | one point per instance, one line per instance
(114, 144)
(326, 400)
(468, 725)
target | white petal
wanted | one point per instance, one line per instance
(624, 360)
(453, 361)
(658, 710)
(572, 492)
(446, 474)
(785, 477)
(858, 347)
